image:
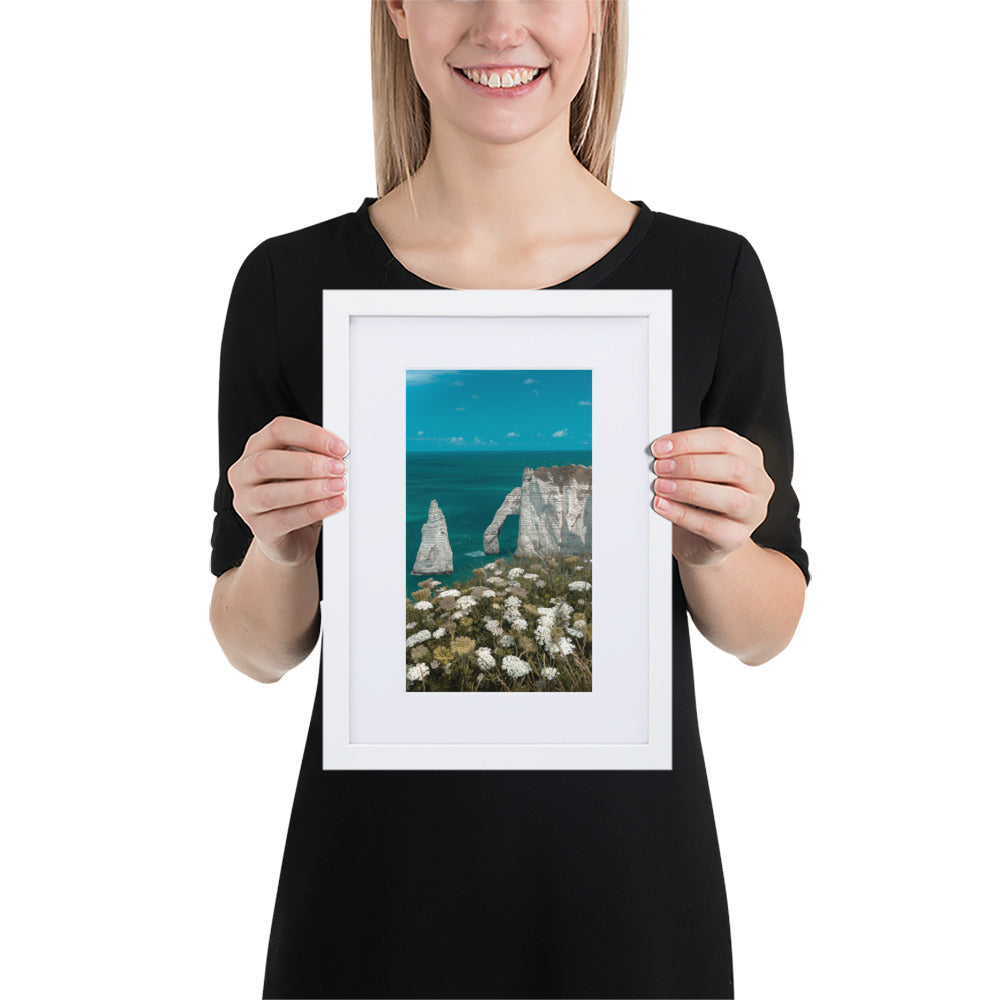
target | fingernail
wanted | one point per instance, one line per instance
(661, 446)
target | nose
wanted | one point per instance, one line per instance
(498, 25)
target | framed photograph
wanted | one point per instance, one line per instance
(500, 470)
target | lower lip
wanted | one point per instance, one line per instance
(502, 93)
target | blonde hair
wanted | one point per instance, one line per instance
(401, 113)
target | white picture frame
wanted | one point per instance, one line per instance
(371, 338)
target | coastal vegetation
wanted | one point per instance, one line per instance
(515, 625)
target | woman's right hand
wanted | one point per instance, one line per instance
(289, 477)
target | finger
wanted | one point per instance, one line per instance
(711, 468)
(289, 493)
(707, 439)
(284, 432)
(291, 464)
(285, 520)
(715, 528)
(730, 501)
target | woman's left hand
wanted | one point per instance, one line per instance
(711, 485)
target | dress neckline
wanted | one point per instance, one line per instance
(589, 277)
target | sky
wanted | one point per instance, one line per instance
(510, 409)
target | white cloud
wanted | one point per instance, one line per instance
(584, 402)
(420, 432)
(561, 434)
(457, 440)
(422, 376)
(528, 381)
(512, 434)
(459, 408)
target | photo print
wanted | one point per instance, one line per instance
(499, 530)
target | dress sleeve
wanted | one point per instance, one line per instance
(251, 392)
(747, 395)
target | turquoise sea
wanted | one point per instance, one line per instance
(469, 486)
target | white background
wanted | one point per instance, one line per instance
(148, 784)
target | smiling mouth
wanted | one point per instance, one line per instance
(502, 77)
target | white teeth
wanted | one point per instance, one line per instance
(509, 79)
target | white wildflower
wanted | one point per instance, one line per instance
(548, 619)
(438, 632)
(512, 605)
(516, 571)
(450, 593)
(417, 672)
(506, 640)
(465, 602)
(485, 657)
(519, 623)
(515, 666)
(423, 606)
(410, 625)
(493, 626)
(575, 632)
(422, 636)
(580, 585)
(531, 576)
(563, 613)
(549, 673)
(544, 637)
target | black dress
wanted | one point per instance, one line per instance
(462, 883)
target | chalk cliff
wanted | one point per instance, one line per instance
(510, 505)
(555, 509)
(434, 554)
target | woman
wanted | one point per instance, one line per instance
(505, 883)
